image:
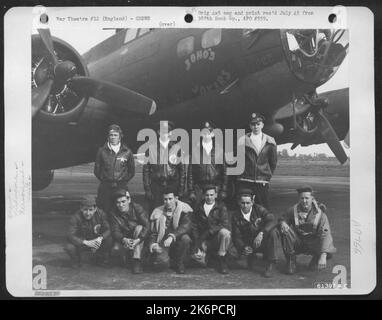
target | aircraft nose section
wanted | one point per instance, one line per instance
(314, 55)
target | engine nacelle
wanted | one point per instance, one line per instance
(41, 179)
(63, 104)
(305, 131)
(274, 129)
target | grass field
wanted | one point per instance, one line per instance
(285, 167)
(295, 167)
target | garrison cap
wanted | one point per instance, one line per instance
(88, 201)
(120, 192)
(257, 117)
(305, 188)
(245, 192)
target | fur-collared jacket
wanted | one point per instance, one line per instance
(259, 164)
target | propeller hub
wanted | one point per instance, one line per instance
(65, 70)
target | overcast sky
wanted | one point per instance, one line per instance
(84, 40)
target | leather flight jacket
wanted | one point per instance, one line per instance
(259, 164)
(244, 231)
(167, 169)
(112, 168)
(208, 173)
(124, 224)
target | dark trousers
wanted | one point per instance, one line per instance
(105, 195)
(268, 246)
(75, 252)
(260, 190)
(293, 244)
(178, 252)
(120, 251)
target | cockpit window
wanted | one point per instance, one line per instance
(185, 46)
(131, 34)
(211, 38)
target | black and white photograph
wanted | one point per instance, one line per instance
(191, 160)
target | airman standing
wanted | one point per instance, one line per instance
(164, 169)
(114, 167)
(207, 169)
(260, 161)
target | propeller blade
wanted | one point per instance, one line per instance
(48, 42)
(294, 145)
(113, 94)
(39, 96)
(331, 137)
(347, 140)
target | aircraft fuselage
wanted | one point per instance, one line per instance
(223, 83)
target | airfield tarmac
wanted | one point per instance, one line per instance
(52, 208)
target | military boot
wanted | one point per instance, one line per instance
(137, 267)
(268, 273)
(223, 267)
(313, 264)
(179, 268)
(291, 264)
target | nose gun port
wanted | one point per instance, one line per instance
(314, 55)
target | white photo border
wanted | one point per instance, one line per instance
(18, 23)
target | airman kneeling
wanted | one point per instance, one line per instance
(254, 230)
(130, 228)
(170, 226)
(305, 228)
(89, 231)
